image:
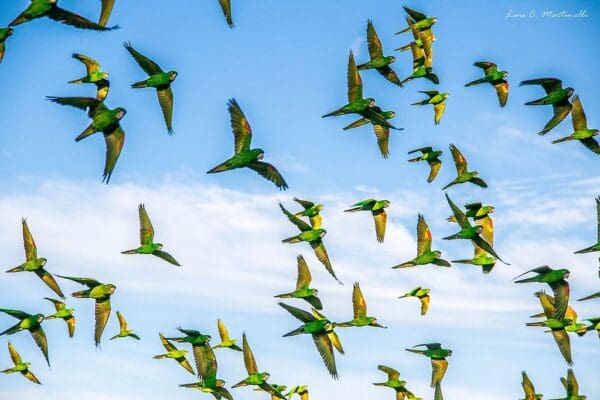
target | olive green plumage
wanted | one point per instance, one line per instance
(93, 75)
(419, 19)
(359, 307)
(147, 245)
(4, 34)
(425, 255)
(439, 364)
(377, 60)
(556, 96)
(394, 382)
(123, 329)
(422, 294)
(438, 100)
(33, 263)
(50, 9)
(244, 156)
(581, 132)
(303, 290)
(595, 246)
(557, 280)
(174, 353)
(64, 313)
(495, 78)
(422, 54)
(31, 323)
(382, 133)
(310, 210)
(226, 341)
(463, 174)
(529, 389)
(377, 209)
(433, 159)
(19, 365)
(226, 7)
(571, 387)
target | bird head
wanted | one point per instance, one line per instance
(371, 102)
(105, 75)
(437, 253)
(43, 261)
(445, 95)
(172, 75)
(386, 203)
(120, 112)
(319, 207)
(449, 352)
(111, 288)
(595, 131)
(52, 1)
(433, 20)
(9, 31)
(565, 273)
(266, 376)
(27, 364)
(479, 229)
(159, 246)
(39, 318)
(504, 74)
(392, 59)
(475, 174)
(260, 154)
(322, 233)
(390, 114)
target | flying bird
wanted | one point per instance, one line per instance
(495, 78)
(174, 353)
(359, 306)
(377, 60)
(303, 290)
(33, 263)
(147, 240)
(93, 75)
(382, 133)
(557, 280)
(423, 41)
(433, 159)
(395, 383)
(437, 99)
(123, 331)
(422, 22)
(439, 364)
(201, 348)
(462, 171)
(377, 209)
(31, 323)
(50, 9)
(596, 246)
(571, 387)
(528, 388)
(159, 80)
(244, 156)
(421, 67)
(226, 341)
(422, 294)
(226, 7)
(100, 293)
(64, 313)
(556, 96)
(424, 253)
(310, 210)
(19, 365)
(4, 34)
(581, 131)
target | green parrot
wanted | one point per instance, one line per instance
(255, 378)
(107, 6)
(19, 365)
(104, 120)
(4, 34)
(528, 388)
(596, 246)
(424, 253)
(377, 60)
(591, 296)
(147, 240)
(421, 67)
(301, 391)
(437, 99)
(581, 132)
(279, 388)
(174, 353)
(462, 171)
(556, 279)
(93, 75)
(395, 383)
(439, 364)
(312, 236)
(382, 133)
(31, 323)
(594, 325)
(226, 341)
(494, 78)
(216, 389)
(101, 293)
(470, 232)
(359, 306)
(123, 331)
(50, 9)
(422, 294)
(311, 210)
(556, 96)
(377, 208)
(226, 7)
(421, 21)
(479, 213)
(33, 263)
(571, 387)
(244, 156)
(159, 80)
(203, 352)
(423, 40)
(64, 313)
(322, 331)
(433, 159)
(303, 289)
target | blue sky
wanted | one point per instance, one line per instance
(286, 65)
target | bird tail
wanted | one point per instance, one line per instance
(295, 332)
(463, 261)
(76, 81)
(438, 392)
(541, 323)
(82, 294)
(335, 113)
(87, 132)
(402, 31)
(416, 159)
(408, 78)
(448, 185)
(8, 371)
(219, 168)
(475, 82)
(586, 250)
(132, 251)
(357, 123)
(415, 351)
(293, 239)
(407, 264)
(240, 384)
(114, 337)
(140, 84)
(20, 268)
(540, 315)
(403, 48)
(451, 237)
(420, 103)
(539, 102)
(526, 280)
(486, 269)
(565, 139)
(284, 296)
(451, 218)
(353, 209)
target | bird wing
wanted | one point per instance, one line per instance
(249, 360)
(375, 48)
(434, 168)
(298, 313)
(166, 344)
(303, 226)
(28, 242)
(146, 228)
(165, 99)
(391, 372)
(423, 150)
(39, 337)
(314, 301)
(325, 349)
(114, 144)
(528, 387)
(89, 282)
(439, 369)
(91, 65)
(561, 111)
(14, 355)
(459, 215)
(424, 304)
(459, 160)
(549, 84)
(578, 115)
(416, 15)
(418, 55)
(242, 132)
(591, 144)
(359, 305)
(206, 362)
(304, 203)
(380, 219)
(572, 385)
(83, 103)
(223, 334)
(502, 91)
(166, 256)
(71, 325)
(226, 7)
(273, 391)
(488, 67)
(102, 311)
(49, 280)
(304, 277)
(354, 81)
(122, 322)
(439, 111)
(149, 66)
(29, 375)
(598, 216)
(107, 6)
(424, 238)
(321, 254)
(479, 182)
(335, 340)
(564, 344)
(270, 173)
(561, 297)
(547, 303)
(382, 133)
(488, 229)
(76, 20)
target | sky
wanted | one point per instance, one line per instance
(286, 66)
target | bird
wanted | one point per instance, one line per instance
(591, 296)
(322, 331)
(556, 96)
(422, 294)
(581, 132)
(279, 388)
(422, 22)
(495, 78)
(4, 34)
(377, 208)
(64, 313)
(433, 159)
(462, 171)
(557, 280)
(423, 40)
(50, 9)
(244, 156)
(107, 6)
(479, 213)
(100, 293)
(424, 253)
(213, 386)
(226, 7)
(421, 66)
(528, 388)
(104, 120)
(303, 290)
(359, 306)
(226, 341)
(310, 210)
(596, 246)
(255, 378)
(382, 133)
(147, 245)
(439, 364)
(377, 60)
(394, 382)
(312, 236)
(437, 99)
(571, 387)
(470, 232)
(93, 75)
(33, 263)
(123, 331)
(547, 303)
(200, 346)
(31, 323)
(174, 353)
(301, 391)
(158, 79)
(19, 365)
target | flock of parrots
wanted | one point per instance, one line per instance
(475, 221)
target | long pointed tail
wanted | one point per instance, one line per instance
(539, 102)
(297, 331)
(415, 159)
(219, 168)
(76, 81)
(292, 239)
(586, 250)
(17, 269)
(475, 82)
(565, 139)
(407, 264)
(82, 294)
(140, 84)
(335, 113)
(132, 251)
(87, 132)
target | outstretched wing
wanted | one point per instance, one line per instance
(270, 173)
(14, 356)
(28, 242)
(416, 15)
(326, 351)
(354, 80)
(39, 337)
(102, 311)
(149, 66)
(166, 256)
(392, 373)
(76, 20)
(249, 360)
(107, 6)
(223, 334)
(375, 48)
(434, 168)
(502, 92)
(122, 322)
(424, 238)
(206, 362)
(298, 313)
(242, 132)
(166, 344)
(459, 160)
(380, 218)
(549, 84)
(91, 65)
(114, 144)
(146, 228)
(459, 215)
(303, 226)
(226, 7)
(359, 305)
(561, 337)
(439, 370)
(165, 99)
(382, 133)
(304, 277)
(49, 280)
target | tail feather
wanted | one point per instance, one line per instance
(140, 84)
(132, 251)
(463, 261)
(539, 102)
(76, 81)
(159, 357)
(415, 159)
(438, 392)
(433, 78)
(451, 237)
(475, 82)
(87, 132)
(297, 331)
(407, 264)
(219, 168)
(82, 294)
(403, 48)
(17, 269)
(335, 113)
(293, 239)
(565, 139)
(284, 296)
